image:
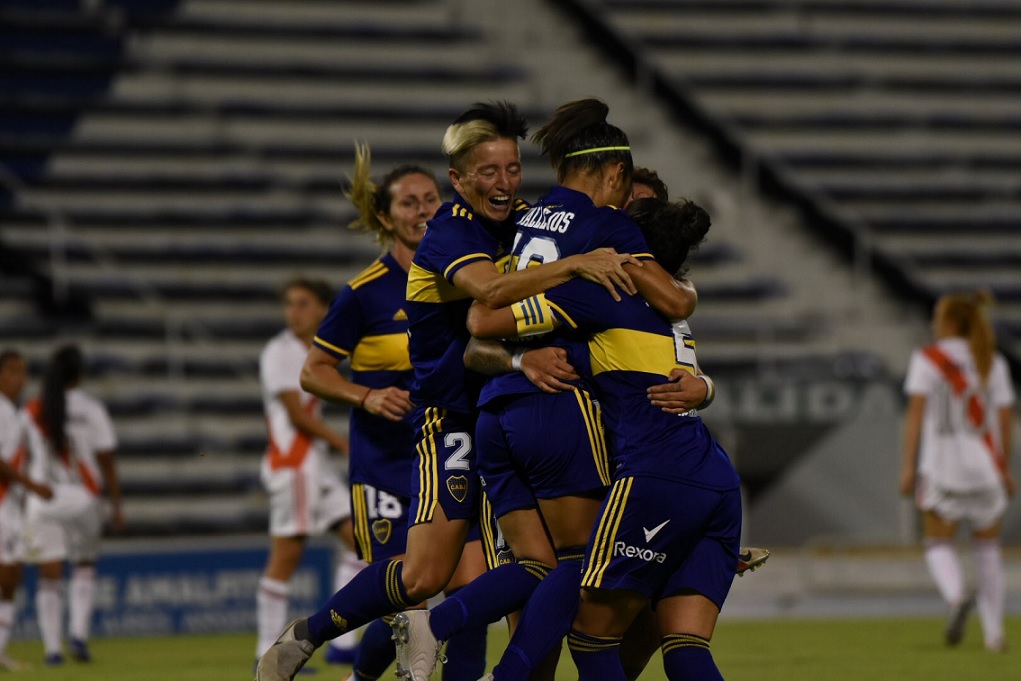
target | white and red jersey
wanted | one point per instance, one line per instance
(89, 432)
(960, 448)
(12, 446)
(280, 371)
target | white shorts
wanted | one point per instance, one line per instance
(12, 531)
(305, 501)
(983, 508)
(67, 527)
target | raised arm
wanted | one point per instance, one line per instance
(483, 282)
(673, 298)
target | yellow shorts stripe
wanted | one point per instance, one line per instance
(606, 532)
(363, 535)
(428, 465)
(597, 441)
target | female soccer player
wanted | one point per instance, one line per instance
(71, 447)
(454, 264)
(668, 531)
(956, 446)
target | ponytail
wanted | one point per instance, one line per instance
(63, 371)
(578, 138)
(966, 311)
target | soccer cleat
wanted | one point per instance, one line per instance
(750, 559)
(285, 658)
(958, 618)
(54, 659)
(417, 647)
(487, 677)
(80, 650)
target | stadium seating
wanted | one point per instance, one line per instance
(894, 123)
(178, 161)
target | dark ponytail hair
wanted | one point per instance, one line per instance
(63, 371)
(672, 230)
(575, 132)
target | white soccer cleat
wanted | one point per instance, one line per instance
(750, 559)
(286, 656)
(417, 648)
(487, 677)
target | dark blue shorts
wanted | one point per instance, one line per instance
(541, 446)
(660, 537)
(445, 471)
(380, 522)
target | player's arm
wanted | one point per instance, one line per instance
(912, 438)
(673, 298)
(1005, 418)
(604, 266)
(320, 377)
(111, 482)
(9, 473)
(308, 423)
(546, 368)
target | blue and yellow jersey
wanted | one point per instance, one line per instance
(367, 324)
(437, 310)
(564, 222)
(631, 348)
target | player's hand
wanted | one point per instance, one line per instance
(606, 266)
(340, 443)
(41, 490)
(390, 403)
(548, 369)
(681, 394)
(117, 522)
(907, 483)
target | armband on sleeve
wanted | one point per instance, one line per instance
(533, 316)
(710, 391)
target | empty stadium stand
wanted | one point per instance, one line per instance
(170, 164)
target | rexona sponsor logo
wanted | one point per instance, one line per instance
(628, 551)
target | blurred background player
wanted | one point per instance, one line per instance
(367, 326)
(956, 445)
(71, 447)
(13, 462)
(306, 494)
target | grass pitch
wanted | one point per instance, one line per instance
(761, 650)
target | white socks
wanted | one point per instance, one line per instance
(81, 594)
(945, 568)
(50, 613)
(348, 567)
(7, 615)
(270, 612)
(991, 590)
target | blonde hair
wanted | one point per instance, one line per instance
(483, 122)
(966, 312)
(372, 200)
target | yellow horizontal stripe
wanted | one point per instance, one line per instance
(630, 350)
(388, 352)
(430, 287)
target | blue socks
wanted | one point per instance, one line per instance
(597, 658)
(466, 654)
(687, 657)
(375, 651)
(487, 598)
(546, 620)
(376, 591)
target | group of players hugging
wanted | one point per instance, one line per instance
(525, 433)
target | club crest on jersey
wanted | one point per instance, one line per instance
(381, 530)
(458, 487)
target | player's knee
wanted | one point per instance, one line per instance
(423, 582)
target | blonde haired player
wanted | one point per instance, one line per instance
(956, 447)
(306, 495)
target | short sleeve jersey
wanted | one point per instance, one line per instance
(279, 372)
(631, 348)
(564, 222)
(367, 324)
(89, 432)
(952, 453)
(438, 310)
(12, 442)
